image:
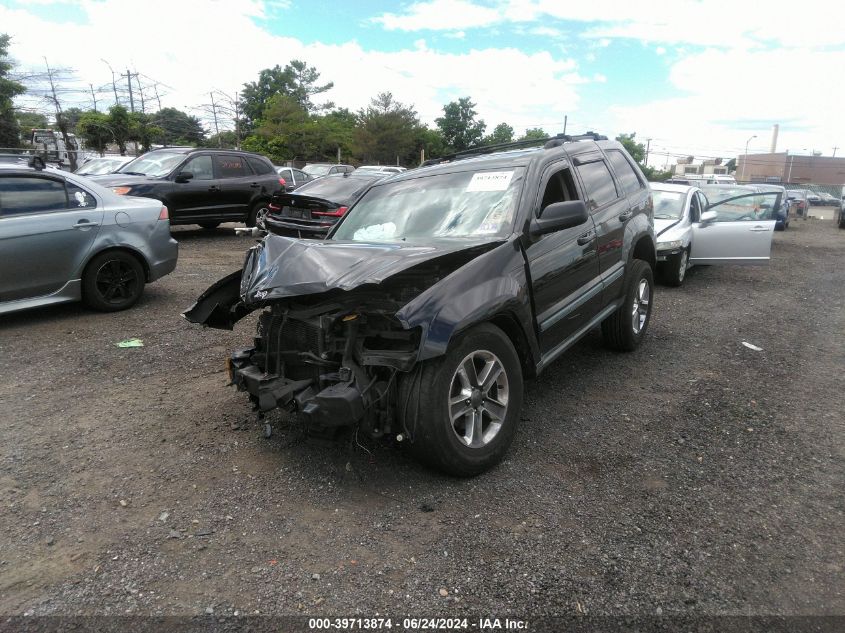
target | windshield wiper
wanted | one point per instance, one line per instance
(133, 173)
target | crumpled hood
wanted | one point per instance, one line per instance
(280, 267)
(662, 225)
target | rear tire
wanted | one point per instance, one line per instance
(459, 422)
(112, 281)
(624, 329)
(258, 212)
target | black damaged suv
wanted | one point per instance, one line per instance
(440, 290)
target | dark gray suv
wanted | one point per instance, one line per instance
(440, 289)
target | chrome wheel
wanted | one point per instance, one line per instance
(260, 216)
(682, 266)
(639, 312)
(478, 398)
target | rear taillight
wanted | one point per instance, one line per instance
(274, 207)
(282, 182)
(331, 214)
(163, 214)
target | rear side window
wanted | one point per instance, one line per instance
(598, 183)
(78, 198)
(259, 166)
(28, 194)
(231, 166)
(627, 176)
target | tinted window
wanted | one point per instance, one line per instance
(200, 167)
(259, 166)
(78, 198)
(627, 176)
(559, 188)
(300, 175)
(230, 166)
(25, 194)
(598, 182)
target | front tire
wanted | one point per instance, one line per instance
(675, 269)
(461, 409)
(624, 329)
(112, 281)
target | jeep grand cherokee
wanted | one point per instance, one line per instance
(440, 290)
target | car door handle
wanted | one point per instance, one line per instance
(586, 238)
(85, 224)
(625, 216)
(758, 229)
(254, 185)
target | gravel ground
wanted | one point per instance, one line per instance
(694, 476)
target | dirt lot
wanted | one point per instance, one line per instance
(694, 476)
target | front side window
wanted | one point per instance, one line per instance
(749, 207)
(624, 171)
(465, 204)
(559, 188)
(200, 167)
(230, 166)
(31, 194)
(598, 183)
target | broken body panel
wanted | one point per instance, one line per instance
(343, 321)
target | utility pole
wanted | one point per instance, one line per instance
(647, 147)
(113, 84)
(93, 96)
(835, 147)
(155, 86)
(237, 122)
(214, 112)
(565, 121)
(128, 76)
(141, 90)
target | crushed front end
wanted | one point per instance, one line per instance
(331, 363)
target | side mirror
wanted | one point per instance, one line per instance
(559, 216)
(708, 216)
(184, 176)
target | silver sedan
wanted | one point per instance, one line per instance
(691, 229)
(65, 238)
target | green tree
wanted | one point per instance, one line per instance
(285, 132)
(95, 129)
(459, 126)
(30, 120)
(430, 140)
(304, 85)
(119, 123)
(502, 133)
(225, 139)
(143, 130)
(386, 130)
(256, 94)
(534, 133)
(9, 129)
(72, 116)
(177, 128)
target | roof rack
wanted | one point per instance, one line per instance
(548, 142)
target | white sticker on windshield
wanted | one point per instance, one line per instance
(490, 181)
(375, 232)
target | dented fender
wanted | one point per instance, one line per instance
(492, 285)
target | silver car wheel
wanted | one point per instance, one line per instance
(478, 398)
(260, 216)
(639, 312)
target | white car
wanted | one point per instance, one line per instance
(382, 169)
(691, 230)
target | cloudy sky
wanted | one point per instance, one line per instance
(697, 78)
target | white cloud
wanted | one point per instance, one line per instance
(440, 15)
(727, 96)
(228, 47)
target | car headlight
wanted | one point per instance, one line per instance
(668, 246)
(121, 191)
